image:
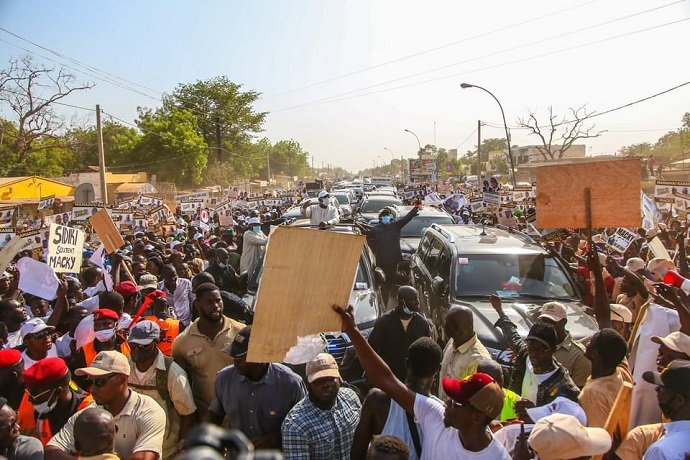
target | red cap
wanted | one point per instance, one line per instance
(105, 313)
(477, 390)
(9, 357)
(126, 289)
(45, 372)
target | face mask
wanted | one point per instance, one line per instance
(256, 228)
(139, 356)
(221, 265)
(324, 203)
(105, 335)
(385, 220)
(406, 310)
(46, 407)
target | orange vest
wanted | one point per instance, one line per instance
(40, 429)
(90, 351)
(170, 329)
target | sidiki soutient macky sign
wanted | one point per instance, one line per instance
(65, 247)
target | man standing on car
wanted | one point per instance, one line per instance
(323, 214)
(384, 240)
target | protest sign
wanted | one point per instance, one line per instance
(6, 215)
(37, 278)
(658, 248)
(83, 211)
(669, 188)
(492, 198)
(506, 217)
(65, 247)
(283, 315)
(190, 206)
(622, 239)
(561, 194)
(106, 230)
(10, 250)
(32, 237)
(477, 205)
(46, 203)
(522, 193)
(98, 259)
(648, 212)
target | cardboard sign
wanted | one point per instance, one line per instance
(477, 205)
(65, 248)
(46, 203)
(32, 237)
(283, 315)
(492, 198)
(103, 224)
(190, 207)
(622, 239)
(614, 191)
(658, 248)
(10, 250)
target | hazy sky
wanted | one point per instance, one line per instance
(345, 78)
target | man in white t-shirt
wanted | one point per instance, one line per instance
(458, 430)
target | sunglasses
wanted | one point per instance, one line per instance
(41, 335)
(100, 382)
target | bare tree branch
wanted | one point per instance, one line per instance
(31, 90)
(561, 134)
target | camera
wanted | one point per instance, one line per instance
(210, 442)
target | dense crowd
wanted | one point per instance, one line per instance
(129, 372)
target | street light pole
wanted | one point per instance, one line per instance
(392, 158)
(505, 125)
(419, 152)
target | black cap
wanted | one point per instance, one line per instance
(544, 333)
(240, 344)
(675, 377)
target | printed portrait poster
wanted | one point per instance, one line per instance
(65, 248)
(6, 234)
(6, 215)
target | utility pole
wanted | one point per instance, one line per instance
(268, 167)
(101, 156)
(402, 169)
(479, 152)
(219, 142)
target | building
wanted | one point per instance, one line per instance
(26, 192)
(90, 175)
(529, 154)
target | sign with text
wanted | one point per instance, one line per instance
(46, 203)
(622, 239)
(65, 247)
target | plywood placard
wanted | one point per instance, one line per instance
(305, 272)
(103, 224)
(615, 194)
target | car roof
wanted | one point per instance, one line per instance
(468, 239)
(425, 211)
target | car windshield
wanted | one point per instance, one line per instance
(418, 225)
(342, 199)
(378, 205)
(512, 275)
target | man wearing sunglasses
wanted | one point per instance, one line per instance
(50, 399)
(139, 419)
(36, 336)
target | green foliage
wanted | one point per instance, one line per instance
(170, 146)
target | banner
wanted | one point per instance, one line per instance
(648, 212)
(46, 203)
(492, 198)
(6, 215)
(190, 206)
(622, 239)
(83, 211)
(65, 248)
(477, 205)
(32, 237)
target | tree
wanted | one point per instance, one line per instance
(119, 144)
(218, 102)
(30, 91)
(289, 158)
(641, 149)
(170, 146)
(557, 137)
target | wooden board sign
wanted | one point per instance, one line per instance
(305, 272)
(104, 226)
(615, 194)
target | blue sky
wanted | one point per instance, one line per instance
(282, 48)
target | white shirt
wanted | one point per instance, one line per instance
(28, 362)
(531, 382)
(441, 442)
(674, 444)
(317, 214)
(62, 345)
(181, 299)
(92, 291)
(14, 339)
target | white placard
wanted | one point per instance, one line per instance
(622, 239)
(65, 248)
(37, 278)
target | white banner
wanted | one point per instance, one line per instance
(65, 247)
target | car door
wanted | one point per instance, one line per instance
(417, 270)
(439, 301)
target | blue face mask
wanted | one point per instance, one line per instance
(256, 228)
(407, 311)
(385, 220)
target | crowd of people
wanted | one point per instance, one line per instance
(130, 372)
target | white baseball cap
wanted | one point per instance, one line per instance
(555, 311)
(560, 405)
(621, 313)
(33, 326)
(560, 436)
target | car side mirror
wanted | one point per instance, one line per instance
(379, 276)
(437, 285)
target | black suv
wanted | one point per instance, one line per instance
(465, 264)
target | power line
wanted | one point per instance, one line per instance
(76, 61)
(409, 56)
(501, 64)
(467, 139)
(46, 100)
(514, 48)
